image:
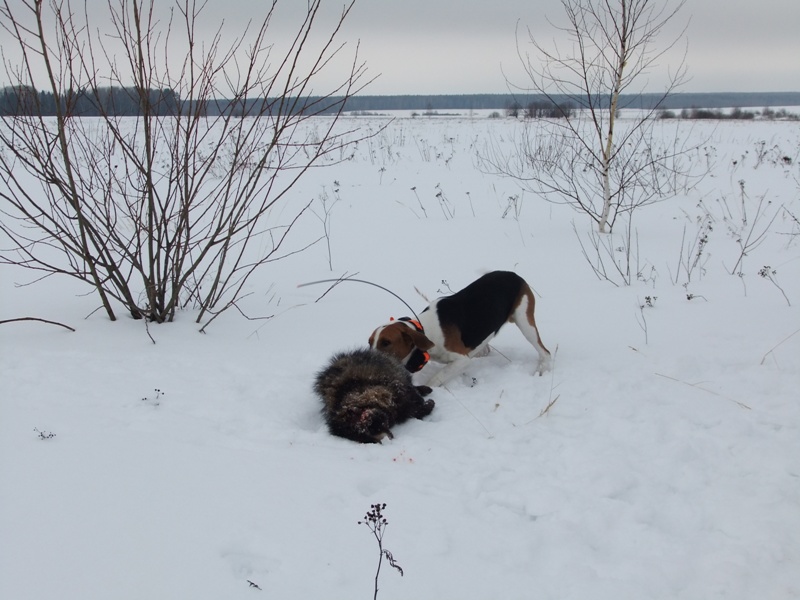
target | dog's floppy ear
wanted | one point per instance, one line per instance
(418, 338)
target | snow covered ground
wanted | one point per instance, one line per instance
(667, 466)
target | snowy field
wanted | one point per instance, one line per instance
(667, 465)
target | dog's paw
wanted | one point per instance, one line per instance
(543, 367)
(423, 390)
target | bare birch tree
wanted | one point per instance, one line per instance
(179, 205)
(588, 159)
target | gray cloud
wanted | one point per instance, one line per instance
(441, 46)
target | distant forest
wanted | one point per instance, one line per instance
(23, 100)
(20, 100)
(504, 101)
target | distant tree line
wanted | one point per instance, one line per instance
(735, 114)
(132, 102)
(128, 102)
(422, 103)
(25, 100)
(541, 109)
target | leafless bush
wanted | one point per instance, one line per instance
(693, 257)
(174, 207)
(749, 223)
(614, 257)
(550, 161)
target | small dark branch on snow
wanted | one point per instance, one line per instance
(44, 435)
(771, 350)
(36, 319)
(147, 330)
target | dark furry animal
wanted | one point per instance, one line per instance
(365, 393)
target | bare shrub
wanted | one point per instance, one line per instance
(176, 206)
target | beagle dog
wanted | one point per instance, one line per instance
(453, 329)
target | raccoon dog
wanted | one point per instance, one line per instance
(366, 392)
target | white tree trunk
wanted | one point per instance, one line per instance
(608, 151)
(603, 222)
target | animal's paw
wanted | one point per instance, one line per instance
(426, 408)
(544, 366)
(423, 390)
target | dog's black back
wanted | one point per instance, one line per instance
(478, 310)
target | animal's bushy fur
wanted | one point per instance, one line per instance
(365, 393)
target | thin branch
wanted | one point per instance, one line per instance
(3, 322)
(699, 387)
(775, 347)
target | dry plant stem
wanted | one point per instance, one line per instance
(769, 274)
(336, 282)
(642, 321)
(470, 413)
(325, 219)
(421, 206)
(699, 387)
(691, 256)
(775, 347)
(546, 410)
(785, 297)
(377, 524)
(620, 272)
(756, 231)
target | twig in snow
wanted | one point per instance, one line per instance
(547, 408)
(771, 350)
(424, 297)
(36, 319)
(470, 413)
(769, 273)
(699, 387)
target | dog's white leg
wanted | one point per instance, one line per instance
(523, 318)
(449, 371)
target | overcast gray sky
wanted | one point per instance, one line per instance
(466, 46)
